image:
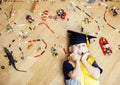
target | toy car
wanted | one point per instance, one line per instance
(86, 20)
(61, 13)
(30, 19)
(114, 11)
(105, 46)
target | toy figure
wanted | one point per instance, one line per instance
(86, 20)
(114, 10)
(80, 68)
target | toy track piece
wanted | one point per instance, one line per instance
(2, 67)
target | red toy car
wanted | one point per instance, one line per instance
(61, 13)
(105, 46)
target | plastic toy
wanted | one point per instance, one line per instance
(86, 20)
(2, 67)
(9, 28)
(82, 29)
(12, 61)
(61, 13)
(54, 52)
(30, 19)
(105, 46)
(114, 11)
(34, 7)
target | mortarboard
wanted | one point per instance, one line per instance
(77, 38)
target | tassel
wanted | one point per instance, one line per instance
(87, 42)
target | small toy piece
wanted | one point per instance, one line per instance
(105, 46)
(86, 20)
(90, 1)
(12, 12)
(2, 67)
(9, 28)
(114, 10)
(54, 52)
(23, 35)
(61, 13)
(29, 46)
(34, 7)
(82, 29)
(30, 19)
(39, 48)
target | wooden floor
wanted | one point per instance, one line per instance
(46, 69)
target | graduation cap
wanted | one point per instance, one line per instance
(77, 38)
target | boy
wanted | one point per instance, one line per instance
(80, 68)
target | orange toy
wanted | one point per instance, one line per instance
(35, 7)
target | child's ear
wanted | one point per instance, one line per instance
(70, 49)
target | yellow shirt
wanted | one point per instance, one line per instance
(86, 77)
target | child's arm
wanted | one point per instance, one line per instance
(94, 71)
(75, 74)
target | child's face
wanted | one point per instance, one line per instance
(79, 49)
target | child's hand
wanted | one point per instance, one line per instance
(85, 56)
(75, 56)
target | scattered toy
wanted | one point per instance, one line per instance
(61, 13)
(105, 46)
(86, 20)
(54, 52)
(9, 45)
(2, 67)
(30, 19)
(34, 7)
(39, 48)
(114, 11)
(90, 1)
(12, 12)
(12, 61)
(23, 35)
(29, 46)
(55, 17)
(30, 28)
(13, 40)
(22, 56)
(82, 29)
(9, 28)
(40, 54)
